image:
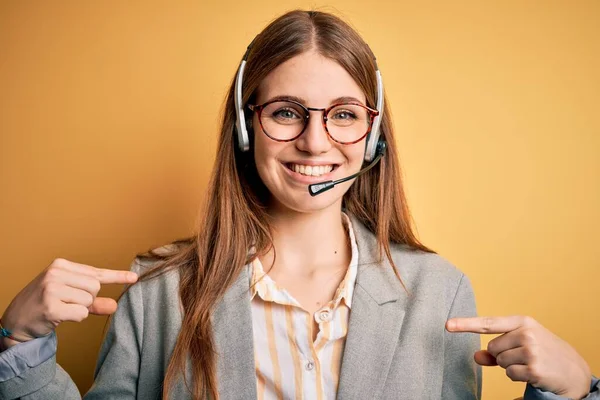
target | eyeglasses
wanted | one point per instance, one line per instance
(286, 120)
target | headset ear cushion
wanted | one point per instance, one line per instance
(381, 147)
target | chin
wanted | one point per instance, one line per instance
(303, 202)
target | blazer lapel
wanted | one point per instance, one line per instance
(378, 307)
(232, 327)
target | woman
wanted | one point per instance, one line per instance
(282, 292)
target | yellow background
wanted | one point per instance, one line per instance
(109, 112)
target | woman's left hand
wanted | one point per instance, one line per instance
(529, 353)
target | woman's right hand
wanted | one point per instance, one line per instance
(64, 291)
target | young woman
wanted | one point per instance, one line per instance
(283, 293)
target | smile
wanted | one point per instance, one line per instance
(308, 174)
(310, 170)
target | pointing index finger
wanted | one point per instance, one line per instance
(115, 276)
(484, 324)
(102, 274)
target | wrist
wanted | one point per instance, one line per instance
(7, 339)
(578, 395)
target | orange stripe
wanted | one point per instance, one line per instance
(273, 349)
(295, 352)
(260, 389)
(338, 346)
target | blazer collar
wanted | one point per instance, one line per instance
(378, 307)
(375, 274)
(376, 318)
(232, 329)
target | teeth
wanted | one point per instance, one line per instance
(311, 170)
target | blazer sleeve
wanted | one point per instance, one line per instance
(462, 375)
(23, 356)
(117, 367)
(532, 393)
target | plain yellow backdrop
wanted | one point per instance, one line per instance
(109, 113)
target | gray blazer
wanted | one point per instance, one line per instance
(396, 348)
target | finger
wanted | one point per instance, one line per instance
(483, 357)
(485, 324)
(71, 295)
(78, 281)
(518, 373)
(520, 355)
(103, 306)
(102, 274)
(71, 312)
(507, 341)
(115, 276)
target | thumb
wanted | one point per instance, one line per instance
(103, 306)
(483, 357)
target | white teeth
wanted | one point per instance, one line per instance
(311, 170)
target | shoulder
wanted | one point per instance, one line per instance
(158, 257)
(420, 265)
(158, 281)
(429, 276)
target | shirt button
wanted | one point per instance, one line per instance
(309, 366)
(324, 315)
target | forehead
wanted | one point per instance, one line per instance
(312, 77)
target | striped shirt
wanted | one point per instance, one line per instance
(288, 363)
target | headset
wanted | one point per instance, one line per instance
(374, 150)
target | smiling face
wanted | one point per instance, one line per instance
(287, 168)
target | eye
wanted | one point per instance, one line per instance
(286, 113)
(344, 115)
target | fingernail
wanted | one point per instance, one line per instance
(132, 276)
(450, 325)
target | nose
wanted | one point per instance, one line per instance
(314, 140)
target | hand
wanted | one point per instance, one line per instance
(64, 291)
(529, 353)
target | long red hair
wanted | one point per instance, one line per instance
(234, 216)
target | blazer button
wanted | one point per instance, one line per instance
(309, 366)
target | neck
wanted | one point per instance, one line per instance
(308, 243)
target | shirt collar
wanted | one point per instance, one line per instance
(267, 289)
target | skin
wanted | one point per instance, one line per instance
(529, 353)
(64, 291)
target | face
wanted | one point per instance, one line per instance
(287, 168)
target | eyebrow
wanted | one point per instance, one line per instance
(342, 99)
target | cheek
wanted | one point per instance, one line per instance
(355, 154)
(265, 155)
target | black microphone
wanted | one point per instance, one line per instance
(318, 188)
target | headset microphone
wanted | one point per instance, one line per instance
(318, 188)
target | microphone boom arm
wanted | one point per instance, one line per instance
(318, 188)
